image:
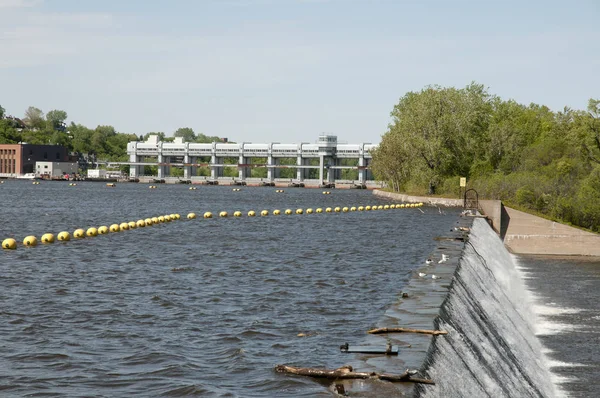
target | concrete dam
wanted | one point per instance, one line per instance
(491, 348)
(480, 299)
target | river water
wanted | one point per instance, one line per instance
(199, 307)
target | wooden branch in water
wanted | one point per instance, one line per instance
(346, 372)
(406, 330)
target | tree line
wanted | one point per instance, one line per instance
(528, 156)
(100, 143)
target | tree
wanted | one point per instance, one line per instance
(34, 118)
(186, 133)
(2, 112)
(8, 134)
(443, 130)
(55, 119)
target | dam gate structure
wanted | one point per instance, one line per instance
(324, 163)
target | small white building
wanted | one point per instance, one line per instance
(96, 173)
(56, 169)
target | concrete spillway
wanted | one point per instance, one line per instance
(491, 349)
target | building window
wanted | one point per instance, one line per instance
(45, 155)
(31, 151)
(57, 156)
(46, 166)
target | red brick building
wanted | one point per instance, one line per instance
(18, 159)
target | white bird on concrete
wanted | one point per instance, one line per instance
(422, 274)
(428, 261)
(435, 277)
(444, 259)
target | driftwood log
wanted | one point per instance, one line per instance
(346, 372)
(406, 330)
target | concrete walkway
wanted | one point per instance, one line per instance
(521, 232)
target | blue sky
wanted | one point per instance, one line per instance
(286, 70)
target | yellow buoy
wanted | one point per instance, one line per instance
(251, 213)
(91, 232)
(131, 224)
(177, 216)
(345, 209)
(337, 209)
(148, 222)
(223, 214)
(161, 219)
(276, 212)
(380, 207)
(103, 230)
(79, 233)
(140, 223)
(367, 208)
(328, 210)
(288, 211)
(386, 207)
(114, 228)
(374, 207)
(392, 206)
(124, 226)
(30, 241)
(264, 213)
(167, 217)
(9, 244)
(299, 211)
(400, 206)
(191, 216)
(47, 238)
(319, 210)
(309, 211)
(237, 213)
(353, 208)
(110, 184)
(208, 214)
(64, 236)
(173, 218)
(361, 208)
(154, 220)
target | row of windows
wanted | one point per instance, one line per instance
(7, 166)
(7, 151)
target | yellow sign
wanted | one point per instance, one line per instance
(463, 181)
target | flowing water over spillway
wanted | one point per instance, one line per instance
(491, 349)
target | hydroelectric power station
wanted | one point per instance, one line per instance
(319, 164)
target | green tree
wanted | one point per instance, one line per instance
(55, 119)
(443, 128)
(34, 118)
(8, 134)
(2, 112)
(186, 133)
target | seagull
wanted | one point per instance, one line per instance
(428, 261)
(422, 274)
(435, 277)
(444, 259)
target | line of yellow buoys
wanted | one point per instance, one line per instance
(64, 236)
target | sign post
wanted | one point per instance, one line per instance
(463, 184)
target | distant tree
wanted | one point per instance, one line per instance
(55, 119)
(186, 133)
(2, 112)
(34, 118)
(160, 134)
(201, 138)
(8, 134)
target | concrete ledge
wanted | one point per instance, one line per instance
(417, 199)
(521, 232)
(529, 234)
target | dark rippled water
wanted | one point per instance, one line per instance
(201, 307)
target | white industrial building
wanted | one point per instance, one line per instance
(56, 169)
